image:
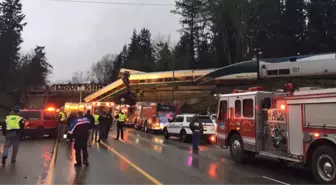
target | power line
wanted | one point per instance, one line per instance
(115, 3)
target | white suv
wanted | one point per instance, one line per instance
(180, 127)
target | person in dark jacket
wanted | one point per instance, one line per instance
(92, 125)
(70, 119)
(79, 128)
(197, 128)
(105, 120)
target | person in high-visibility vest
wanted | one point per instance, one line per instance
(61, 124)
(12, 129)
(121, 118)
(95, 129)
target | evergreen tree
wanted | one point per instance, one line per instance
(321, 26)
(293, 27)
(192, 20)
(147, 50)
(134, 46)
(38, 68)
(165, 57)
(11, 26)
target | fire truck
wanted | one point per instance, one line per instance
(152, 116)
(297, 128)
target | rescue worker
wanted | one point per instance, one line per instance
(105, 120)
(79, 129)
(197, 128)
(92, 125)
(12, 129)
(121, 118)
(95, 129)
(61, 124)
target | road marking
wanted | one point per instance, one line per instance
(52, 165)
(275, 180)
(155, 181)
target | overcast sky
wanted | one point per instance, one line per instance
(78, 34)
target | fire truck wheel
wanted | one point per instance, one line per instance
(166, 134)
(237, 148)
(323, 165)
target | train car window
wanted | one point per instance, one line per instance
(160, 80)
(168, 79)
(272, 72)
(292, 59)
(248, 108)
(149, 80)
(284, 72)
(237, 108)
(223, 110)
(142, 81)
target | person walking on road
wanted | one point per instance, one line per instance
(61, 124)
(70, 119)
(92, 125)
(79, 128)
(95, 129)
(196, 127)
(105, 120)
(121, 118)
(12, 129)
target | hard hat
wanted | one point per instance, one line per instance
(16, 108)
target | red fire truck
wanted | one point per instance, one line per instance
(297, 128)
(152, 116)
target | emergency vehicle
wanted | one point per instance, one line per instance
(152, 116)
(180, 127)
(297, 127)
(38, 123)
(74, 107)
(127, 110)
(99, 106)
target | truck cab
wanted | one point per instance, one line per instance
(297, 128)
(38, 123)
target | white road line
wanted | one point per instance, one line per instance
(275, 180)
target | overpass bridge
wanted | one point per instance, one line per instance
(192, 86)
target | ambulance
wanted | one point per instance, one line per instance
(296, 128)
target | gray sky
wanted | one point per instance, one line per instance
(77, 34)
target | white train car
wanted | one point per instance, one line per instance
(299, 66)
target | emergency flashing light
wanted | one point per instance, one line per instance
(316, 135)
(67, 106)
(282, 107)
(89, 107)
(50, 109)
(94, 103)
(213, 139)
(98, 104)
(258, 88)
(107, 104)
(81, 106)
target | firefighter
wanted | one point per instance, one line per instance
(95, 129)
(12, 130)
(79, 129)
(121, 117)
(105, 120)
(92, 125)
(61, 124)
(196, 127)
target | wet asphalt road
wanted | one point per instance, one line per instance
(142, 159)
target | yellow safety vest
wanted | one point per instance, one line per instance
(13, 122)
(96, 116)
(121, 117)
(63, 117)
